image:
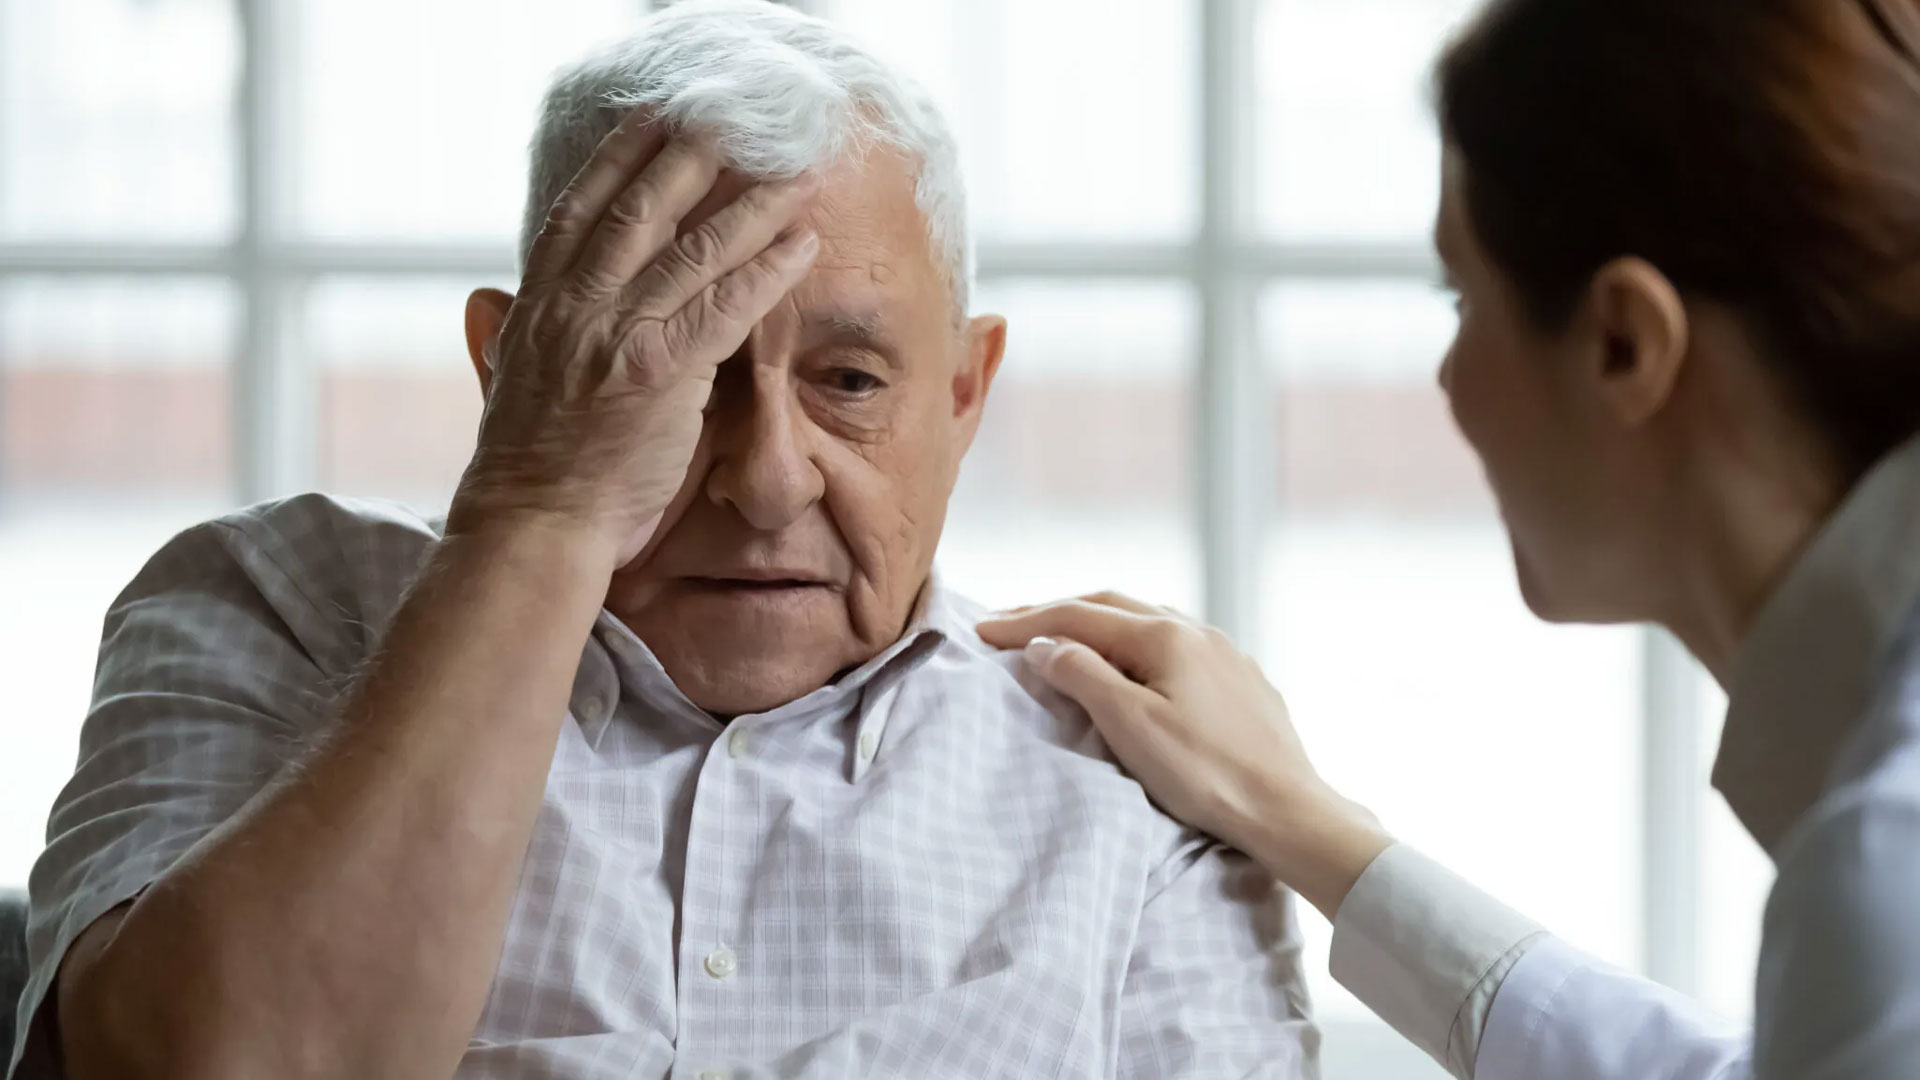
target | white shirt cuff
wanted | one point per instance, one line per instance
(1514, 1029)
(1427, 951)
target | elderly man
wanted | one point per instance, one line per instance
(666, 755)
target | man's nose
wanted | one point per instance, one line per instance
(761, 467)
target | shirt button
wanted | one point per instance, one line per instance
(737, 744)
(721, 962)
(869, 746)
(596, 709)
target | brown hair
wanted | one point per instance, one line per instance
(1763, 154)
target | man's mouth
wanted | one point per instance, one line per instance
(756, 583)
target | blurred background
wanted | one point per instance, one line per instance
(236, 236)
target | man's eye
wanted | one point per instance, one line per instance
(853, 381)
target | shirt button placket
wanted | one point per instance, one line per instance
(710, 897)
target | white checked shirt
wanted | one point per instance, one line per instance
(928, 869)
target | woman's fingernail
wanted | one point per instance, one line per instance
(1041, 649)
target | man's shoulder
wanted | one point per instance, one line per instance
(327, 567)
(1034, 724)
(1048, 733)
(1025, 700)
(328, 532)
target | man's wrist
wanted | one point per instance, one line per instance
(541, 541)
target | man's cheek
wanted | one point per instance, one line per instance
(676, 510)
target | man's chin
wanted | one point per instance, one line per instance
(731, 659)
(743, 684)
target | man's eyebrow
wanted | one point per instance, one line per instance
(857, 326)
(862, 329)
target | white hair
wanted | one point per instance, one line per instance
(783, 93)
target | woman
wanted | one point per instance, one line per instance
(1685, 235)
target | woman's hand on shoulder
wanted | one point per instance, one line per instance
(1197, 723)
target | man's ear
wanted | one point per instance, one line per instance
(1643, 333)
(486, 314)
(986, 346)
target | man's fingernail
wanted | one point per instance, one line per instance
(1041, 649)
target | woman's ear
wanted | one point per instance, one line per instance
(1642, 328)
(486, 314)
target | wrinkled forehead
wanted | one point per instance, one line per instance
(877, 260)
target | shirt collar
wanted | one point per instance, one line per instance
(616, 663)
(1807, 670)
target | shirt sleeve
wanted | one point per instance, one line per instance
(1427, 952)
(1562, 1013)
(206, 687)
(1215, 985)
(1491, 996)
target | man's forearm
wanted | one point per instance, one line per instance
(349, 921)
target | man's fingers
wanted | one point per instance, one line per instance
(640, 221)
(711, 327)
(615, 162)
(1134, 643)
(1085, 676)
(721, 244)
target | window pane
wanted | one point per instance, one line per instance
(112, 388)
(1076, 118)
(1079, 479)
(1348, 147)
(116, 119)
(114, 434)
(1394, 625)
(399, 402)
(412, 120)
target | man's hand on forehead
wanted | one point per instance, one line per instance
(651, 270)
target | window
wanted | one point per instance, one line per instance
(1087, 433)
(236, 235)
(114, 403)
(1391, 619)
